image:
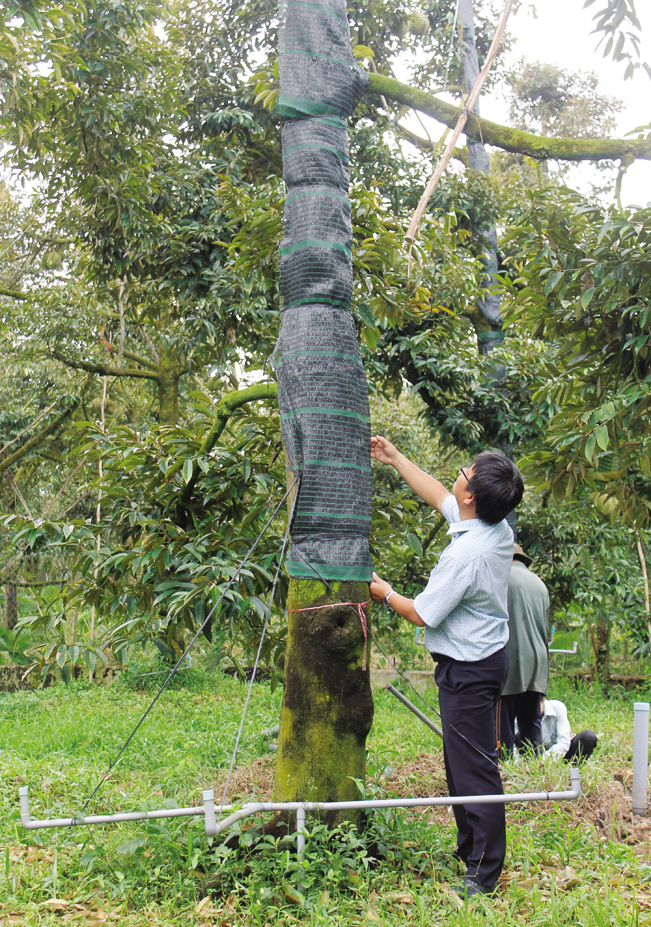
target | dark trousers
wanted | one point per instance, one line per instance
(582, 745)
(468, 694)
(525, 709)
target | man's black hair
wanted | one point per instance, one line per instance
(496, 485)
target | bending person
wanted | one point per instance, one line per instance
(557, 734)
(464, 612)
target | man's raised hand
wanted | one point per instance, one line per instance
(382, 450)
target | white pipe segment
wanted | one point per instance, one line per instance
(213, 828)
(28, 824)
(640, 757)
(300, 832)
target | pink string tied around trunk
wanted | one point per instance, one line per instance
(361, 611)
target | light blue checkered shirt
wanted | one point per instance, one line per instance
(464, 602)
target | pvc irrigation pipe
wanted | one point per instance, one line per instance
(419, 714)
(509, 797)
(213, 828)
(640, 757)
(25, 818)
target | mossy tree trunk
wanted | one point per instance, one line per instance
(327, 708)
(600, 637)
(168, 393)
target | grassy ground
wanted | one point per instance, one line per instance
(582, 863)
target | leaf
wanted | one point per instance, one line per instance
(89, 856)
(402, 898)
(292, 894)
(66, 675)
(369, 336)
(602, 437)
(589, 447)
(363, 51)
(415, 544)
(187, 469)
(132, 846)
(67, 531)
(90, 659)
(587, 296)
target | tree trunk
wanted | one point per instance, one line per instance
(327, 708)
(600, 634)
(10, 612)
(490, 333)
(168, 395)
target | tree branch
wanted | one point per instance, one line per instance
(491, 133)
(225, 409)
(50, 429)
(13, 294)
(103, 369)
(459, 154)
(150, 365)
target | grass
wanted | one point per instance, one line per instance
(573, 863)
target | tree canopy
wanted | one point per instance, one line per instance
(139, 302)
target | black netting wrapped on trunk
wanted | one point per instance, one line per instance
(322, 390)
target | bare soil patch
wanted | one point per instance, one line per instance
(251, 782)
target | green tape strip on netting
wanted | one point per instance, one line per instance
(315, 243)
(317, 6)
(491, 337)
(293, 107)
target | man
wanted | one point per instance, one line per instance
(557, 734)
(463, 609)
(528, 653)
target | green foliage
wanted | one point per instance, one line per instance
(548, 100)
(146, 257)
(154, 566)
(591, 569)
(581, 279)
(612, 19)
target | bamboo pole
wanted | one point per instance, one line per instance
(412, 231)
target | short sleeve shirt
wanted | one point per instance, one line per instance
(464, 604)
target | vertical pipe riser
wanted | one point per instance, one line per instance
(640, 757)
(25, 817)
(209, 809)
(300, 833)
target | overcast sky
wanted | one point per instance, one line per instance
(560, 35)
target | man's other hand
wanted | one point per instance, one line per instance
(379, 588)
(383, 450)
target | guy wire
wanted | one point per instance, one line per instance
(257, 658)
(190, 646)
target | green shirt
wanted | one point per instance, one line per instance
(527, 649)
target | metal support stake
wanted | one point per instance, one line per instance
(300, 833)
(419, 714)
(209, 806)
(640, 757)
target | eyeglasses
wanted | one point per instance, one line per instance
(463, 470)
